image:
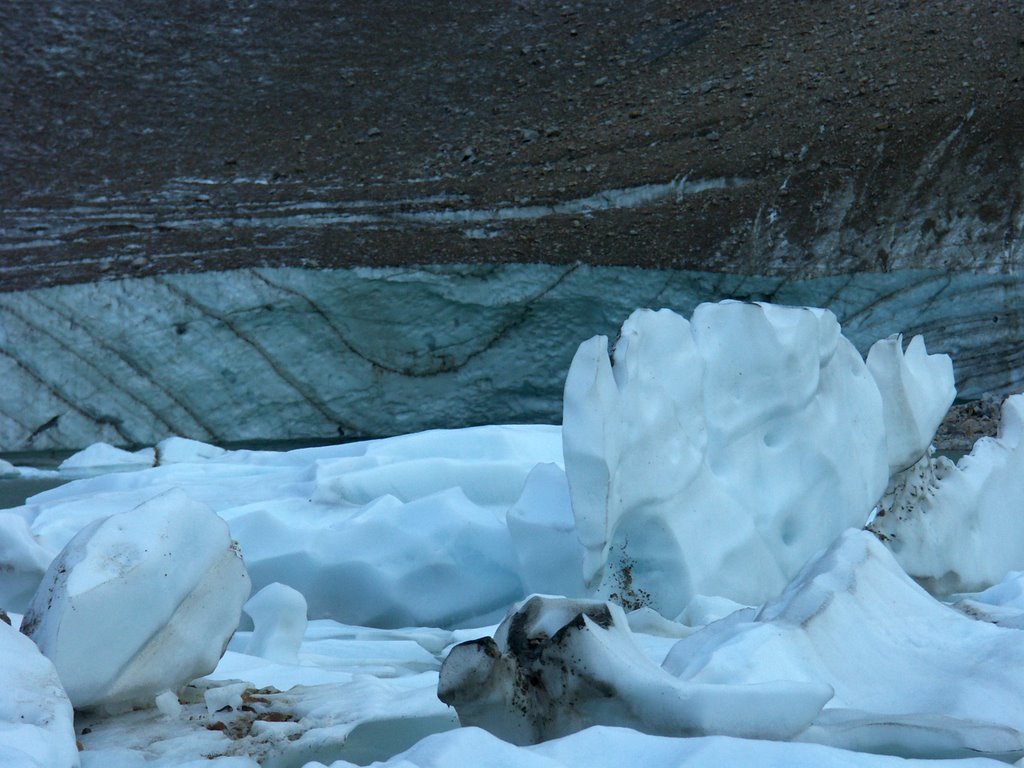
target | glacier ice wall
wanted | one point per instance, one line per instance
(282, 354)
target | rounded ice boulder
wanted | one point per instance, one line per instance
(140, 602)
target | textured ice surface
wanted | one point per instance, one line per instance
(713, 456)
(405, 531)
(556, 666)
(606, 747)
(450, 527)
(36, 728)
(959, 527)
(139, 602)
(354, 692)
(394, 350)
(909, 673)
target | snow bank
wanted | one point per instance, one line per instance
(958, 527)
(911, 676)
(139, 602)
(556, 666)
(36, 720)
(714, 456)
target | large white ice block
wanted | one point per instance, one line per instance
(714, 456)
(139, 602)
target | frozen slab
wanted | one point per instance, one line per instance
(489, 466)
(139, 602)
(36, 720)
(911, 675)
(958, 528)
(714, 456)
(611, 747)
(556, 666)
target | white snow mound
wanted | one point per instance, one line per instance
(278, 615)
(36, 720)
(139, 602)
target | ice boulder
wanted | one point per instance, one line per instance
(36, 719)
(556, 666)
(139, 602)
(544, 534)
(179, 450)
(911, 675)
(714, 456)
(959, 528)
(278, 615)
(917, 390)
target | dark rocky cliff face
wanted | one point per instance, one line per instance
(814, 138)
(865, 156)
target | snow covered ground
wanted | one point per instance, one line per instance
(697, 527)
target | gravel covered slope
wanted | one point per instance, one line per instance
(813, 138)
